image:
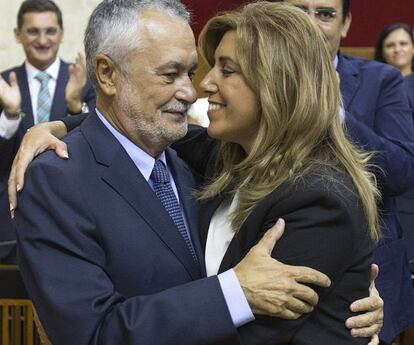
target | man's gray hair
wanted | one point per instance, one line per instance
(113, 27)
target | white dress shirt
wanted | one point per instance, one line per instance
(9, 127)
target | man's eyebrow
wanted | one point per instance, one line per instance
(176, 66)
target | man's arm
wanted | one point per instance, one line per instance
(390, 136)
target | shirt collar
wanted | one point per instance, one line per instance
(335, 62)
(52, 70)
(142, 160)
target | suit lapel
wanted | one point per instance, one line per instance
(59, 107)
(350, 80)
(26, 102)
(121, 174)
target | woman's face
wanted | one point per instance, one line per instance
(398, 49)
(233, 107)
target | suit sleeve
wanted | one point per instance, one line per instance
(63, 263)
(390, 137)
(324, 233)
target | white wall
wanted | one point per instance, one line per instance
(75, 16)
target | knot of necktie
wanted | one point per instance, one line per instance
(43, 77)
(159, 173)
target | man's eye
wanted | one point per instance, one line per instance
(325, 14)
(51, 31)
(191, 75)
(32, 31)
(170, 76)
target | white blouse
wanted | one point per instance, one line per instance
(220, 234)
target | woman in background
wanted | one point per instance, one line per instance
(395, 46)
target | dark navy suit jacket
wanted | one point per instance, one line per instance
(405, 202)
(102, 259)
(378, 119)
(8, 148)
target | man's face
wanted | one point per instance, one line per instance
(334, 27)
(155, 90)
(40, 36)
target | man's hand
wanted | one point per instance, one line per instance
(38, 139)
(10, 97)
(370, 323)
(75, 85)
(275, 289)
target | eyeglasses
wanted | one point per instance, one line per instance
(36, 32)
(324, 15)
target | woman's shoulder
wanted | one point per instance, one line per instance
(320, 183)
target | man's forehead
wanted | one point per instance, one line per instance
(337, 4)
(46, 18)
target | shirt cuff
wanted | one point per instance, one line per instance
(237, 304)
(8, 127)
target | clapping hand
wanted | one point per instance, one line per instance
(75, 85)
(10, 97)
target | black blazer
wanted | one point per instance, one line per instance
(325, 229)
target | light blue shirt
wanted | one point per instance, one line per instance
(233, 294)
(341, 106)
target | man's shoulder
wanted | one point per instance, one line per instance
(368, 66)
(79, 155)
(320, 183)
(15, 69)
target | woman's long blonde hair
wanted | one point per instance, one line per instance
(284, 59)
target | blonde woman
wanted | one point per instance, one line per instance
(274, 104)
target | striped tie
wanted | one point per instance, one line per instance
(44, 101)
(165, 194)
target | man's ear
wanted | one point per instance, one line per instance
(17, 34)
(106, 74)
(347, 25)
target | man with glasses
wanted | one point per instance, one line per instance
(43, 88)
(377, 118)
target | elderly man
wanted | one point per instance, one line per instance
(42, 89)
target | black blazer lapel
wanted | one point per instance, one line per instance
(26, 102)
(121, 174)
(350, 80)
(59, 107)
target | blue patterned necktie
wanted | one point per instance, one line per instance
(44, 101)
(165, 194)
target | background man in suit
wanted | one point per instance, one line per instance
(377, 119)
(109, 251)
(43, 88)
